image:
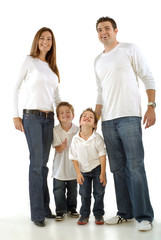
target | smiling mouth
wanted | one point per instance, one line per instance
(86, 120)
(105, 37)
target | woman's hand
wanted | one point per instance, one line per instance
(18, 124)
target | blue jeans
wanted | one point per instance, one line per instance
(39, 135)
(65, 201)
(123, 139)
(98, 193)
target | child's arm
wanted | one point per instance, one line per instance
(80, 178)
(103, 170)
(61, 147)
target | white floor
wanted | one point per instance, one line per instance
(20, 227)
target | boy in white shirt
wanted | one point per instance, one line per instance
(63, 171)
(88, 153)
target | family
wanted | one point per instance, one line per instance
(80, 152)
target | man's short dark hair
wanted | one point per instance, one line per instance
(105, 19)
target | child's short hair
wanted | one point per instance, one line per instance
(90, 110)
(64, 104)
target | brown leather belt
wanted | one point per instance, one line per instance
(40, 113)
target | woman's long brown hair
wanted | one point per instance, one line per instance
(51, 55)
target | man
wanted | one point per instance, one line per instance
(118, 103)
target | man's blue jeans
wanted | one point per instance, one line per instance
(98, 193)
(65, 194)
(123, 139)
(39, 135)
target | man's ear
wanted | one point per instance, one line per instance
(116, 30)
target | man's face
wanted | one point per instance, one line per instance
(106, 32)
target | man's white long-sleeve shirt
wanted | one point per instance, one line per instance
(117, 74)
(41, 86)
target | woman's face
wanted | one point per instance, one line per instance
(45, 41)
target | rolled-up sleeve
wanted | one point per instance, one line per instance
(101, 146)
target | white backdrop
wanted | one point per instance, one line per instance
(73, 23)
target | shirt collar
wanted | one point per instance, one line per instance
(90, 138)
(69, 131)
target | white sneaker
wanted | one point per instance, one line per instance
(117, 219)
(145, 226)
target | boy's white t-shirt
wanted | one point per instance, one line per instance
(87, 152)
(63, 169)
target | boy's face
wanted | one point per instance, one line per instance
(65, 114)
(87, 119)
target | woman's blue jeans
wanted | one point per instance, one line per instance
(65, 194)
(92, 178)
(123, 139)
(39, 135)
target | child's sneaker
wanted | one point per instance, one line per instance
(83, 220)
(73, 213)
(99, 220)
(60, 217)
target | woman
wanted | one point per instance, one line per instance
(40, 74)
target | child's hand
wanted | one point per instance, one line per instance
(103, 179)
(80, 179)
(61, 147)
(64, 144)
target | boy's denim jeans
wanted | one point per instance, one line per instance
(39, 135)
(92, 178)
(65, 194)
(123, 139)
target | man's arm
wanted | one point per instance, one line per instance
(98, 110)
(149, 117)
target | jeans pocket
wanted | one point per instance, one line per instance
(30, 116)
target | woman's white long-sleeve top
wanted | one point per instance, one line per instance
(41, 86)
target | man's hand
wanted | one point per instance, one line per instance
(149, 118)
